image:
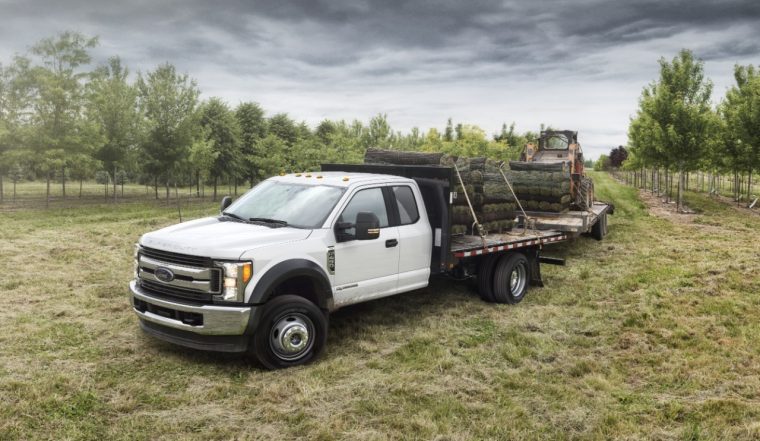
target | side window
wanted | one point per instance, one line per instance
(407, 206)
(370, 200)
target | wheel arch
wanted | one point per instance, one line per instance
(304, 277)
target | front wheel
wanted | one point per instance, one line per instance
(292, 331)
(511, 278)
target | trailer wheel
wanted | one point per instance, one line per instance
(292, 331)
(485, 277)
(599, 230)
(511, 278)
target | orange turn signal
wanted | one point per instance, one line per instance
(247, 272)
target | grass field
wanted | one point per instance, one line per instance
(650, 334)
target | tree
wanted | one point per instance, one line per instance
(168, 102)
(61, 133)
(281, 126)
(222, 132)
(378, 133)
(253, 128)
(603, 163)
(448, 134)
(618, 155)
(741, 109)
(674, 118)
(112, 107)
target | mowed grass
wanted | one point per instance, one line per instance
(650, 334)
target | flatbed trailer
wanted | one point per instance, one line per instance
(486, 257)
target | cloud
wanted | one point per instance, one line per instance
(578, 65)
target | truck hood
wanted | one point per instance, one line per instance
(220, 239)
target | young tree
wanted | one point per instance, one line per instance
(253, 128)
(742, 112)
(168, 102)
(222, 132)
(677, 109)
(112, 107)
(60, 130)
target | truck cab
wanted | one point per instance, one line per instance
(263, 275)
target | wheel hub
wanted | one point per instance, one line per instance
(290, 336)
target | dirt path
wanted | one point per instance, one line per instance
(657, 206)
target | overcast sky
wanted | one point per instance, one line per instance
(569, 64)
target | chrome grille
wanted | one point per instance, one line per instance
(192, 277)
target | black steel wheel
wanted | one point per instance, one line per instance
(511, 278)
(485, 277)
(292, 331)
(599, 229)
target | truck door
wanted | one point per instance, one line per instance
(366, 269)
(415, 238)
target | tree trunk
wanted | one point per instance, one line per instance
(14, 192)
(179, 205)
(63, 181)
(236, 186)
(105, 191)
(80, 188)
(114, 184)
(47, 190)
(155, 185)
(749, 186)
(215, 182)
(198, 183)
(167, 190)
(679, 201)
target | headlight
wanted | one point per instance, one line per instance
(236, 276)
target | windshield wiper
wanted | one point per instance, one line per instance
(268, 221)
(232, 215)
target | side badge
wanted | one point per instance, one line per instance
(331, 261)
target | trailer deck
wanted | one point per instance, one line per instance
(576, 222)
(468, 245)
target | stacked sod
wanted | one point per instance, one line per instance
(490, 197)
(541, 186)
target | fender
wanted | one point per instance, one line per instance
(293, 268)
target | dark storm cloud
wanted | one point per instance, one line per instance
(577, 64)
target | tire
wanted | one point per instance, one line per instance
(301, 320)
(485, 277)
(600, 227)
(511, 278)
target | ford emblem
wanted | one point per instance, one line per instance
(164, 274)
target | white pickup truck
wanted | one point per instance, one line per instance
(263, 275)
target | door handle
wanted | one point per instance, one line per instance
(390, 243)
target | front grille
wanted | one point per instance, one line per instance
(174, 291)
(176, 258)
(195, 278)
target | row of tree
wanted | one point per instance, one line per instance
(677, 130)
(60, 120)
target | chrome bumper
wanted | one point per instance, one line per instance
(217, 320)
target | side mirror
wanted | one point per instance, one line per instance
(226, 201)
(367, 226)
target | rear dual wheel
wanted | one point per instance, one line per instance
(503, 278)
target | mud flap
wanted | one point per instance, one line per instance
(535, 267)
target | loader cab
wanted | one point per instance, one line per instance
(556, 146)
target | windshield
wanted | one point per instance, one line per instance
(301, 206)
(556, 142)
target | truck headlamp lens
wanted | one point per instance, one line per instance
(236, 276)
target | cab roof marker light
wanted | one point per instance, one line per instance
(345, 178)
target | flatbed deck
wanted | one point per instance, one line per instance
(468, 245)
(569, 222)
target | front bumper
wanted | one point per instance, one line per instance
(208, 327)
